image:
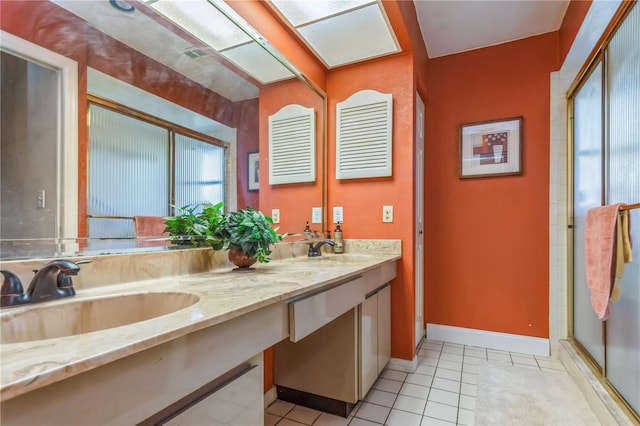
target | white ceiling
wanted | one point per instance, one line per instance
(340, 32)
(455, 26)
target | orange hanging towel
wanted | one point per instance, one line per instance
(600, 252)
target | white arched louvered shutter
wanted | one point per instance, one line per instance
(292, 145)
(363, 135)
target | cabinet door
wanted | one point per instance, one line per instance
(368, 344)
(325, 363)
(384, 327)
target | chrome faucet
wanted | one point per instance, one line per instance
(314, 251)
(52, 281)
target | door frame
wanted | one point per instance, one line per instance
(419, 327)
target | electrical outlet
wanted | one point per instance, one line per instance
(337, 215)
(387, 214)
(275, 215)
(316, 215)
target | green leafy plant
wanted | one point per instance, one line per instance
(250, 231)
(196, 229)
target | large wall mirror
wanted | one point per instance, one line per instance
(113, 111)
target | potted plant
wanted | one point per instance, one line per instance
(249, 236)
(196, 229)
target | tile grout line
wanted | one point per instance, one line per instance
(403, 382)
(440, 352)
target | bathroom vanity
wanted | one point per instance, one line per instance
(339, 342)
(188, 361)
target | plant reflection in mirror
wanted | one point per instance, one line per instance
(195, 226)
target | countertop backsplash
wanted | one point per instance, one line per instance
(121, 268)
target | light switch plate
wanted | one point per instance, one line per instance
(316, 215)
(337, 215)
(275, 215)
(40, 196)
(387, 214)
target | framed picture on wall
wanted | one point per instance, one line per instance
(253, 170)
(491, 148)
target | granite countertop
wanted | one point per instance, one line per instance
(223, 295)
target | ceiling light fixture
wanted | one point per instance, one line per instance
(341, 32)
(218, 26)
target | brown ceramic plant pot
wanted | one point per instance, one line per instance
(242, 260)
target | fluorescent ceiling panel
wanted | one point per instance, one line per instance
(360, 34)
(203, 21)
(302, 12)
(257, 62)
(155, 41)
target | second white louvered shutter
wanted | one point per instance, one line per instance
(363, 135)
(292, 145)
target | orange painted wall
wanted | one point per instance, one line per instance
(294, 200)
(247, 126)
(487, 239)
(405, 17)
(362, 199)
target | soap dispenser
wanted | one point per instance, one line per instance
(307, 232)
(329, 248)
(337, 237)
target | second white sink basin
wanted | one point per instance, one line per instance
(48, 321)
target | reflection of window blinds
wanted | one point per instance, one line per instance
(292, 142)
(363, 135)
(128, 171)
(199, 171)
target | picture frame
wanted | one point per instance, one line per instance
(491, 148)
(253, 171)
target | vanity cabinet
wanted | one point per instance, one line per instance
(340, 340)
(148, 387)
(235, 398)
(375, 336)
(203, 364)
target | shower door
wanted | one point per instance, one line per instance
(606, 158)
(623, 185)
(587, 193)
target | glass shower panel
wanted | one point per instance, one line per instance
(128, 173)
(587, 193)
(199, 171)
(623, 331)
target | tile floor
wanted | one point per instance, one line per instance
(442, 391)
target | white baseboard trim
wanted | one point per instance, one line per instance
(489, 339)
(270, 396)
(403, 364)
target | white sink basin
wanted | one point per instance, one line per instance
(79, 316)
